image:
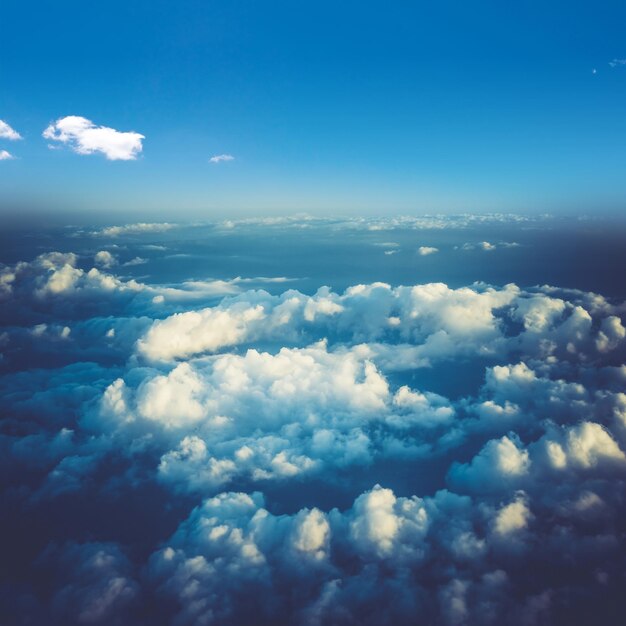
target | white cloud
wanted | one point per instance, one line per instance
(221, 158)
(85, 137)
(426, 250)
(5, 155)
(487, 246)
(135, 261)
(134, 229)
(105, 259)
(512, 517)
(6, 132)
(500, 463)
(617, 62)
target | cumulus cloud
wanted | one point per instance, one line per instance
(5, 155)
(221, 158)
(446, 320)
(6, 132)
(105, 259)
(84, 137)
(426, 250)
(360, 456)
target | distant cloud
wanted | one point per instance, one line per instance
(5, 155)
(105, 259)
(134, 229)
(617, 62)
(426, 250)
(136, 261)
(219, 158)
(486, 246)
(84, 137)
(6, 132)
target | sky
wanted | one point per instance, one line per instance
(328, 108)
(312, 314)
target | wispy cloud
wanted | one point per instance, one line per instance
(6, 132)
(5, 155)
(134, 229)
(617, 62)
(219, 158)
(85, 137)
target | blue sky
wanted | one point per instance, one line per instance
(326, 107)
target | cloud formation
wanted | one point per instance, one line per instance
(5, 155)
(426, 250)
(84, 137)
(6, 132)
(134, 229)
(204, 452)
(221, 158)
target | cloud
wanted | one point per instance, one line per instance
(5, 155)
(486, 246)
(221, 158)
(134, 229)
(94, 584)
(617, 62)
(85, 137)
(206, 452)
(426, 250)
(105, 259)
(6, 132)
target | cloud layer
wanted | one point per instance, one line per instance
(206, 453)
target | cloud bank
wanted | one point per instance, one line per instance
(209, 453)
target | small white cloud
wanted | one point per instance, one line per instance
(6, 132)
(84, 137)
(5, 155)
(617, 62)
(426, 250)
(219, 158)
(136, 261)
(134, 229)
(105, 259)
(486, 246)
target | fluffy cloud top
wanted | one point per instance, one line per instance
(362, 456)
(426, 250)
(85, 137)
(5, 155)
